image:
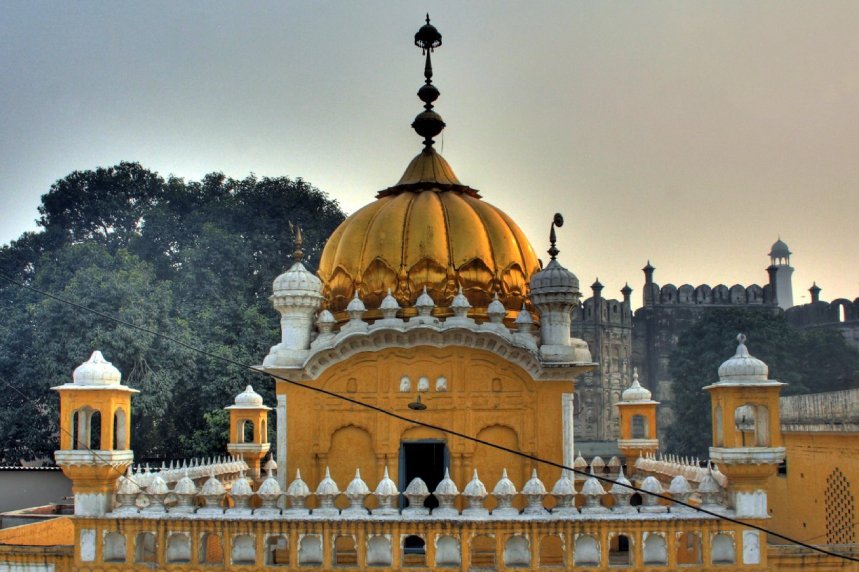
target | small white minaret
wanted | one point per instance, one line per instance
(297, 296)
(555, 292)
(780, 259)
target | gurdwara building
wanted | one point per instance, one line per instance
(424, 381)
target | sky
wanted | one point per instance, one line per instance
(688, 134)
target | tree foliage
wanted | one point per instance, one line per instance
(194, 260)
(812, 360)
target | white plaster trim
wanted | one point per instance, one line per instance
(93, 457)
(747, 455)
(638, 443)
(347, 344)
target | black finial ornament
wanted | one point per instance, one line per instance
(557, 221)
(428, 123)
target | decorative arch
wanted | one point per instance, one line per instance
(120, 433)
(489, 461)
(429, 273)
(351, 447)
(517, 552)
(376, 279)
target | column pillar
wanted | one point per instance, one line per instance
(282, 472)
(567, 400)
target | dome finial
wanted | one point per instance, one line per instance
(297, 254)
(428, 123)
(557, 221)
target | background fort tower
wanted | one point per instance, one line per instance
(780, 259)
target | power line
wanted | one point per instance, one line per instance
(423, 423)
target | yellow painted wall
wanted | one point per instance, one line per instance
(487, 397)
(798, 500)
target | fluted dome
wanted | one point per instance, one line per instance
(743, 367)
(96, 371)
(555, 278)
(427, 230)
(248, 399)
(779, 249)
(635, 392)
(297, 281)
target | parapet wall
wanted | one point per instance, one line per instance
(829, 409)
(720, 294)
(823, 313)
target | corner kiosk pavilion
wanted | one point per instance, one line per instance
(430, 304)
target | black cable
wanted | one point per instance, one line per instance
(422, 423)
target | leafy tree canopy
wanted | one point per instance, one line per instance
(812, 360)
(194, 260)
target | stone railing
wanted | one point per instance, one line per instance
(227, 469)
(667, 467)
(358, 501)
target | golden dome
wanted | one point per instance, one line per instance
(427, 230)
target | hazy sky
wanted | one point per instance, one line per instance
(691, 134)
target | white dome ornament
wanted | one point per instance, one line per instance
(742, 367)
(241, 493)
(593, 492)
(621, 491)
(96, 371)
(325, 323)
(185, 492)
(475, 495)
(213, 496)
(249, 399)
(387, 494)
(126, 494)
(504, 493)
(534, 492)
(680, 491)
(635, 392)
(460, 307)
(326, 494)
(389, 309)
(156, 492)
(564, 492)
(650, 502)
(424, 305)
(356, 492)
(445, 493)
(416, 493)
(297, 494)
(269, 493)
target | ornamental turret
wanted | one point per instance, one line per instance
(297, 295)
(747, 441)
(555, 292)
(95, 431)
(249, 429)
(637, 412)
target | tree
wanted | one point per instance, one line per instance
(193, 260)
(807, 360)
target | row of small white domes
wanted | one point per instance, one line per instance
(213, 492)
(298, 281)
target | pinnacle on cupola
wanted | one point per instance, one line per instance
(428, 123)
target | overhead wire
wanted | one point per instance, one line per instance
(441, 429)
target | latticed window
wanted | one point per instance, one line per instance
(840, 527)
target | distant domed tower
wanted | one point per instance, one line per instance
(780, 259)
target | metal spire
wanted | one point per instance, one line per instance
(557, 221)
(428, 123)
